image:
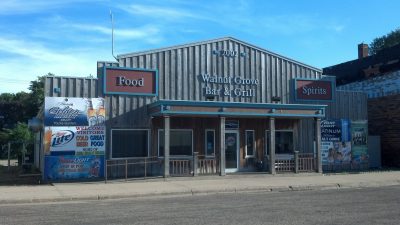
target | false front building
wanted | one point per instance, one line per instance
(216, 106)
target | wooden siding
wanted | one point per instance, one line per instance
(199, 125)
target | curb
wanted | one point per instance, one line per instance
(192, 192)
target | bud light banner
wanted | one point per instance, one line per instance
(73, 167)
(60, 111)
(80, 140)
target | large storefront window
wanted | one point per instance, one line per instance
(127, 143)
(283, 142)
(180, 144)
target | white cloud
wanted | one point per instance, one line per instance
(134, 33)
(155, 11)
(15, 7)
(26, 60)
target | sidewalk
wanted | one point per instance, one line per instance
(193, 186)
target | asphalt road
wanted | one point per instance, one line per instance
(367, 206)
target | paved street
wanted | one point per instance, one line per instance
(344, 206)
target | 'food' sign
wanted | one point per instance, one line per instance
(119, 80)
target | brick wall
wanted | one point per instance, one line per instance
(384, 120)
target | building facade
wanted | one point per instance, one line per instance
(232, 105)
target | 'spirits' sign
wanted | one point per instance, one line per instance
(129, 81)
(225, 83)
(313, 90)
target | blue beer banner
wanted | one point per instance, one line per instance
(335, 130)
(60, 111)
(73, 167)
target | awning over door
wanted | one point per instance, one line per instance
(234, 109)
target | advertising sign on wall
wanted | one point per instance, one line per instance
(130, 81)
(335, 130)
(359, 133)
(313, 90)
(61, 111)
(73, 167)
(74, 140)
(335, 141)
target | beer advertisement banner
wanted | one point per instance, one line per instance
(359, 134)
(80, 140)
(73, 167)
(336, 153)
(335, 141)
(335, 130)
(60, 111)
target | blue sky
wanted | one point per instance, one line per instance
(68, 37)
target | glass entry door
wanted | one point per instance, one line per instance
(231, 151)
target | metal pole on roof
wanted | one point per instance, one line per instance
(112, 35)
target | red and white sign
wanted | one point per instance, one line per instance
(118, 80)
(314, 90)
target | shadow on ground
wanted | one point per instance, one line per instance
(15, 175)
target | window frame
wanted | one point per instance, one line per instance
(178, 156)
(254, 144)
(129, 129)
(205, 143)
(279, 156)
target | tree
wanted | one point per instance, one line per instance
(18, 135)
(386, 41)
(19, 108)
(22, 106)
(36, 97)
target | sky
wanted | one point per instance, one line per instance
(68, 37)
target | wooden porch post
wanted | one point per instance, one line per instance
(272, 145)
(166, 145)
(318, 143)
(222, 147)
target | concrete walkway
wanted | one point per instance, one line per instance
(192, 186)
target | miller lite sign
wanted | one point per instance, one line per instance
(130, 81)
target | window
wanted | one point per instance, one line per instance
(180, 143)
(283, 142)
(250, 145)
(127, 143)
(210, 143)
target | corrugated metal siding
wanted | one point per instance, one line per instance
(180, 70)
(71, 87)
